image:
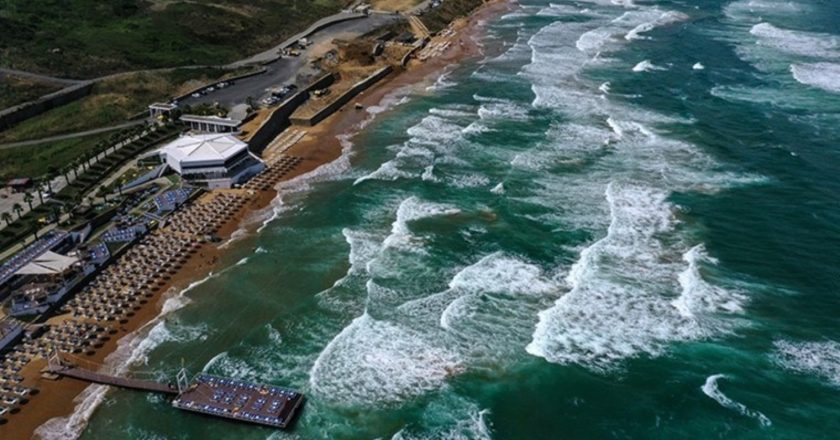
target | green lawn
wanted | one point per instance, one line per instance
(33, 161)
(14, 90)
(89, 38)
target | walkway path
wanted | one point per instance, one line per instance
(39, 77)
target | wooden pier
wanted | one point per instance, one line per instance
(122, 382)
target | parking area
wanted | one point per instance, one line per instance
(285, 70)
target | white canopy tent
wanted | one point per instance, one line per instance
(48, 263)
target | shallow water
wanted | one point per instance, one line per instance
(621, 224)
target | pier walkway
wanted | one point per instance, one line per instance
(104, 379)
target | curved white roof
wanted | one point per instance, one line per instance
(204, 147)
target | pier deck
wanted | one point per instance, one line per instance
(239, 400)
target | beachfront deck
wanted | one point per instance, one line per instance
(239, 400)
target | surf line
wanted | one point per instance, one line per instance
(711, 389)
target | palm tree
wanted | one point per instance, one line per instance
(17, 209)
(6, 218)
(39, 185)
(52, 172)
(27, 198)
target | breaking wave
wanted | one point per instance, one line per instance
(825, 76)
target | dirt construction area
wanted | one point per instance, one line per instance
(394, 5)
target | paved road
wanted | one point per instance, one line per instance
(283, 71)
(72, 135)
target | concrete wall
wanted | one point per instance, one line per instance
(279, 119)
(21, 112)
(417, 46)
(339, 102)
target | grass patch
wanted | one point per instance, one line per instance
(440, 17)
(89, 38)
(35, 160)
(113, 101)
(15, 90)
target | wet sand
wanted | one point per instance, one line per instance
(320, 146)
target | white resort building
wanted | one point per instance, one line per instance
(211, 160)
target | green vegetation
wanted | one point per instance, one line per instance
(70, 196)
(36, 160)
(438, 18)
(113, 102)
(90, 38)
(14, 90)
(206, 110)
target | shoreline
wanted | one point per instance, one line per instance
(68, 403)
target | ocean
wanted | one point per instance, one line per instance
(623, 222)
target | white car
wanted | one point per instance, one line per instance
(196, 95)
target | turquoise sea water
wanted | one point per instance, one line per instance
(623, 223)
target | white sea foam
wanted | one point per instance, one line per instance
(666, 19)
(698, 66)
(821, 359)
(432, 140)
(605, 88)
(442, 82)
(474, 427)
(507, 110)
(646, 66)
(810, 44)
(498, 295)
(410, 210)
(499, 273)
(237, 235)
(752, 10)
(825, 76)
(593, 41)
(711, 389)
(616, 307)
(379, 362)
(699, 297)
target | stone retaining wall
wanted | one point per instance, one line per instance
(21, 112)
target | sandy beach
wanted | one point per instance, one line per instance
(321, 145)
